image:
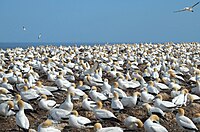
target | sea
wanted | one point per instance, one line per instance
(5, 45)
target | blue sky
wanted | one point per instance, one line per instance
(98, 21)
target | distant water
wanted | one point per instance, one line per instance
(25, 45)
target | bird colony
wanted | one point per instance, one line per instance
(115, 88)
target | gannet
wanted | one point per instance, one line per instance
(146, 97)
(62, 83)
(24, 28)
(160, 86)
(21, 119)
(98, 128)
(67, 104)
(164, 105)
(5, 109)
(83, 87)
(155, 73)
(103, 114)
(196, 118)
(130, 101)
(40, 90)
(96, 96)
(87, 104)
(27, 106)
(78, 93)
(92, 81)
(196, 89)
(106, 87)
(4, 95)
(154, 110)
(58, 114)
(28, 94)
(181, 99)
(151, 89)
(47, 126)
(184, 122)
(133, 123)
(77, 121)
(150, 125)
(190, 8)
(6, 85)
(120, 92)
(39, 36)
(116, 104)
(46, 104)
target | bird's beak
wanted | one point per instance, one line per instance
(39, 99)
(175, 112)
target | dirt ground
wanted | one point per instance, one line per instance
(8, 124)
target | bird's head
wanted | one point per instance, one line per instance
(74, 112)
(154, 118)
(47, 123)
(97, 126)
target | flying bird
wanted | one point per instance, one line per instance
(24, 28)
(39, 36)
(190, 8)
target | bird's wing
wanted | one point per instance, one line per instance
(83, 120)
(195, 4)
(187, 123)
(51, 103)
(180, 10)
(104, 114)
(157, 128)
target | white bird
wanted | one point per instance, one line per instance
(21, 119)
(83, 87)
(87, 104)
(40, 90)
(146, 97)
(96, 96)
(5, 108)
(106, 88)
(164, 105)
(62, 83)
(116, 103)
(47, 126)
(103, 114)
(190, 8)
(39, 36)
(24, 28)
(120, 92)
(27, 106)
(154, 110)
(196, 89)
(184, 122)
(58, 114)
(77, 92)
(133, 123)
(98, 128)
(67, 104)
(77, 121)
(46, 104)
(196, 118)
(181, 99)
(150, 125)
(151, 89)
(28, 94)
(130, 101)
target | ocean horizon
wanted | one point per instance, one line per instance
(5, 45)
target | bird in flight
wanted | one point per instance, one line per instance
(39, 36)
(190, 8)
(24, 28)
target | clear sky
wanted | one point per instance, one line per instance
(98, 21)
